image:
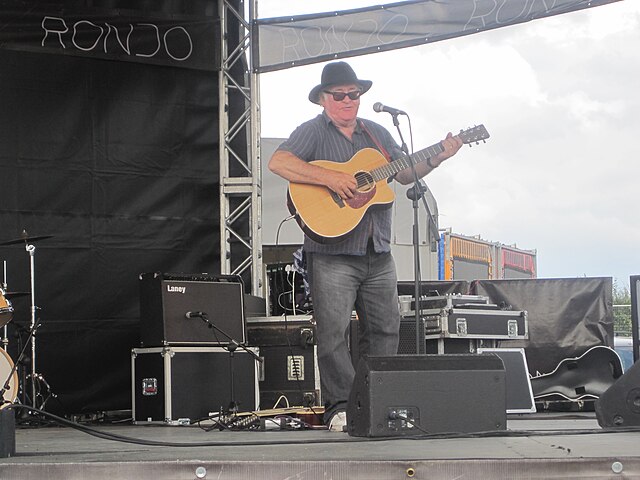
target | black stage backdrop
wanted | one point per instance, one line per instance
(119, 162)
(567, 316)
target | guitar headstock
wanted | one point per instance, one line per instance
(473, 135)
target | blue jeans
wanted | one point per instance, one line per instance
(340, 283)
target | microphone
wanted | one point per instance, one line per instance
(194, 314)
(379, 107)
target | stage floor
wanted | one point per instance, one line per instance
(542, 445)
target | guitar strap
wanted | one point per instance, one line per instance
(375, 140)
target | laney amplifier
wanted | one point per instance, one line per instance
(216, 304)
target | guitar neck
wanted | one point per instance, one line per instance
(396, 166)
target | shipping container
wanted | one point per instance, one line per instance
(462, 257)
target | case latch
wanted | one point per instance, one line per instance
(512, 328)
(461, 327)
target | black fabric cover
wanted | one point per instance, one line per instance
(566, 316)
(119, 162)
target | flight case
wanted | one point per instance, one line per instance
(178, 385)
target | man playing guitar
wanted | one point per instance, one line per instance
(354, 269)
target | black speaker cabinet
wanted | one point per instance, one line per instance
(407, 395)
(407, 336)
(7, 432)
(619, 405)
(166, 298)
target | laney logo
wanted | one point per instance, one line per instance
(171, 288)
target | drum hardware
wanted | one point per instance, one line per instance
(10, 295)
(25, 238)
(9, 370)
(6, 309)
(8, 373)
(39, 384)
(35, 377)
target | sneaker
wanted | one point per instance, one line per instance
(338, 422)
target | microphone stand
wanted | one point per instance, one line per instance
(231, 348)
(415, 193)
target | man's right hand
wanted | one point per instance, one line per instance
(341, 183)
(291, 168)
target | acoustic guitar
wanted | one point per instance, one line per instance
(326, 218)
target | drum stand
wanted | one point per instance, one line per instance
(6, 386)
(5, 331)
(35, 377)
(5, 338)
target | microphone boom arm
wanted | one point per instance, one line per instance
(232, 342)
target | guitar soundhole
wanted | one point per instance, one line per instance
(365, 181)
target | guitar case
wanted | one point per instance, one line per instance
(585, 377)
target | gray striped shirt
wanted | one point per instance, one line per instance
(319, 139)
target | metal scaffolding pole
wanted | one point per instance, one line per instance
(240, 169)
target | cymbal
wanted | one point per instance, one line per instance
(11, 295)
(26, 239)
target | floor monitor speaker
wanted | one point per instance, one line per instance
(407, 395)
(619, 405)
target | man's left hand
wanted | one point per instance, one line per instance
(451, 146)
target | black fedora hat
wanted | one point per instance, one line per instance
(337, 73)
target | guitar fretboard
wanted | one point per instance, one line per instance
(386, 171)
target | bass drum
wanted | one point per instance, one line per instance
(6, 366)
(6, 310)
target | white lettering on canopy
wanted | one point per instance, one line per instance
(284, 42)
(172, 42)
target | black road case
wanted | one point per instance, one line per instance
(178, 385)
(290, 366)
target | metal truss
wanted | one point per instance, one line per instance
(240, 168)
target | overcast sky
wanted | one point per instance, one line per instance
(561, 99)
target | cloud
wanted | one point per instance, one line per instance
(560, 99)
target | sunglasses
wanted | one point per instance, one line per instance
(339, 96)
